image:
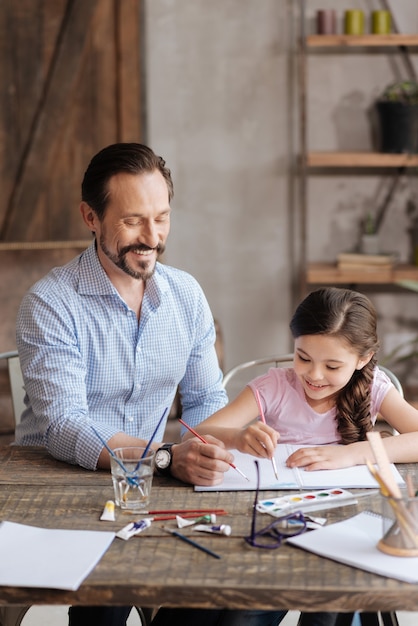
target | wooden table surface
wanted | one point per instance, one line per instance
(156, 569)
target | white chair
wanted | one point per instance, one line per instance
(393, 378)
(17, 388)
(236, 378)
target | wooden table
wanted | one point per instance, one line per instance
(156, 569)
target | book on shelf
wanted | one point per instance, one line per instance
(364, 267)
(357, 261)
(361, 259)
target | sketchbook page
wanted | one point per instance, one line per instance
(346, 478)
(353, 542)
(55, 559)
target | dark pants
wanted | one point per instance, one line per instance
(117, 616)
(201, 617)
(98, 615)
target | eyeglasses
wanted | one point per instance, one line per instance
(271, 536)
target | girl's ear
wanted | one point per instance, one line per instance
(364, 360)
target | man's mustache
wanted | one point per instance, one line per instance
(142, 248)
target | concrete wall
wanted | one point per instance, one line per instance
(218, 85)
(221, 105)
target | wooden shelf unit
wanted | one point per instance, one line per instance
(328, 273)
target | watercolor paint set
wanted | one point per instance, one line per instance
(312, 500)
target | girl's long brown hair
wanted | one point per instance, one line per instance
(351, 316)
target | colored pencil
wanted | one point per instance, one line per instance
(203, 440)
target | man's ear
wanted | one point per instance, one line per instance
(364, 360)
(89, 216)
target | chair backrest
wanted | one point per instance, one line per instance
(250, 369)
(17, 388)
(237, 377)
(393, 378)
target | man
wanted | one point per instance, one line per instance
(107, 339)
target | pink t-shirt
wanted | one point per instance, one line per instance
(287, 411)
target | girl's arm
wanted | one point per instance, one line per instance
(238, 426)
(402, 448)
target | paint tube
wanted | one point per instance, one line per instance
(134, 528)
(183, 523)
(223, 529)
(108, 514)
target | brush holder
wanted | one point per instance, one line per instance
(399, 526)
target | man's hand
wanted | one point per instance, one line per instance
(200, 463)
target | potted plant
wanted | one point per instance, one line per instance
(397, 110)
(369, 243)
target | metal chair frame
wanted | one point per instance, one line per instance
(279, 360)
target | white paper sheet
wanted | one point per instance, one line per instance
(353, 542)
(55, 559)
(346, 478)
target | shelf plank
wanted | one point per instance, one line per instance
(360, 159)
(329, 273)
(351, 41)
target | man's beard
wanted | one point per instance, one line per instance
(143, 273)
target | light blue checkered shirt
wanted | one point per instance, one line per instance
(86, 360)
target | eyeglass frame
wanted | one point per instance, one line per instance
(271, 530)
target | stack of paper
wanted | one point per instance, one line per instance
(55, 559)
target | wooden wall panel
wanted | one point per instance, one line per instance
(72, 71)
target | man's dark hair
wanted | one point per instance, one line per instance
(131, 158)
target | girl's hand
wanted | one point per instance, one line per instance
(322, 457)
(257, 439)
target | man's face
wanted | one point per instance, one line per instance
(134, 230)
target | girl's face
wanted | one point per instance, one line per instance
(324, 365)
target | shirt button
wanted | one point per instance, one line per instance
(130, 418)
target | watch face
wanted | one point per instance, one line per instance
(162, 458)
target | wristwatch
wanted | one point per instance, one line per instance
(163, 459)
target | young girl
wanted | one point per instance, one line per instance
(332, 394)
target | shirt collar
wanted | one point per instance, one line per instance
(95, 281)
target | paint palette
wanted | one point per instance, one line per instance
(312, 500)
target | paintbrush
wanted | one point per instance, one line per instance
(263, 419)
